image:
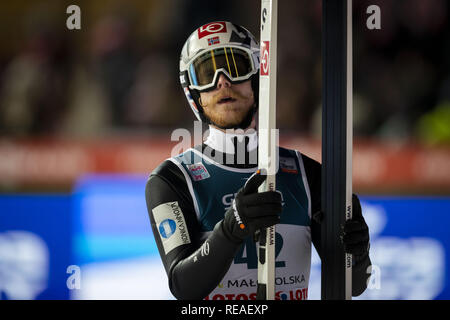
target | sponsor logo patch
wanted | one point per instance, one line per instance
(167, 228)
(182, 79)
(210, 28)
(264, 68)
(171, 225)
(190, 100)
(294, 294)
(288, 165)
(198, 171)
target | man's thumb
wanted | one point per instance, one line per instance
(253, 183)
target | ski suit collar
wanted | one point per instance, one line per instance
(224, 141)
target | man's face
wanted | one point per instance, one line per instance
(228, 104)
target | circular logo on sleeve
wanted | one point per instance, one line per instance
(167, 228)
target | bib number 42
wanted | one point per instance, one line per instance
(248, 254)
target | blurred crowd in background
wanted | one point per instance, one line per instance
(119, 74)
(86, 115)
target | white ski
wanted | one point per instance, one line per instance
(267, 141)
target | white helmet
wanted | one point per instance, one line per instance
(216, 48)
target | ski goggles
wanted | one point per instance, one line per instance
(236, 63)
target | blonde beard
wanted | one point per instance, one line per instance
(233, 116)
(231, 119)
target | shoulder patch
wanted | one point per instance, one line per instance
(288, 165)
(198, 171)
(171, 225)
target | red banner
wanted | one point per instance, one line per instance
(376, 166)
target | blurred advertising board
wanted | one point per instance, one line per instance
(102, 230)
(113, 241)
(410, 249)
(35, 246)
(377, 168)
